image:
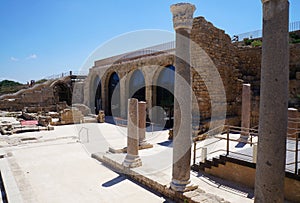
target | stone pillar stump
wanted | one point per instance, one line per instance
(132, 158)
(246, 111)
(143, 144)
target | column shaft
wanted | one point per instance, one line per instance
(246, 110)
(142, 122)
(270, 168)
(182, 110)
(182, 130)
(132, 158)
(123, 97)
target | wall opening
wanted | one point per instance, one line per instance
(63, 93)
(165, 95)
(98, 98)
(137, 86)
(113, 107)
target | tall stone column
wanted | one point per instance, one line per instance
(246, 110)
(132, 158)
(270, 168)
(183, 21)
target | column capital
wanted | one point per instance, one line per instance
(183, 15)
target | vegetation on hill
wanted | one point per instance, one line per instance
(8, 86)
(40, 81)
(294, 38)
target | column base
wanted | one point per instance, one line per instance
(182, 186)
(132, 161)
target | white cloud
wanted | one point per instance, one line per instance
(32, 56)
(14, 59)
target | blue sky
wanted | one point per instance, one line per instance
(40, 38)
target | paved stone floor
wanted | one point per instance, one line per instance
(55, 166)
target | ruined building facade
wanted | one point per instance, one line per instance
(211, 50)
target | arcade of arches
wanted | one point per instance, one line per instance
(149, 72)
(111, 93)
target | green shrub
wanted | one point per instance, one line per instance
(248, 41)
(294, 38)
(295, 41)
(256, 43)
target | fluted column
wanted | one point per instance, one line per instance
(183, 21)
(270, 168)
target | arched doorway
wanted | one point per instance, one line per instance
(137, 86)
(62, 93)
(98, 97)
(113, 95)
(165, 94)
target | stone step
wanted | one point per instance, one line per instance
(208, 164)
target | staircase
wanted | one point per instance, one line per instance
(208, 164)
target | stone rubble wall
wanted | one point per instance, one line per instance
(41, 97)
(214, 50)
(249, 66)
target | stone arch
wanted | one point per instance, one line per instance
(112, 94)
(92, 88)
(136, 85)
(162, 89)
(163, 92)
(97, 99)
(62, 92)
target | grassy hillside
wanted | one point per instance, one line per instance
(8, 86)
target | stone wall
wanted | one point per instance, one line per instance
(249, 59)
(213, 54)
(42, 97)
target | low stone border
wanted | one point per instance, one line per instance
(195, 196)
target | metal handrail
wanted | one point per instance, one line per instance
(293, 26)
(229, 129)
